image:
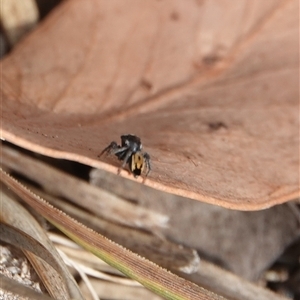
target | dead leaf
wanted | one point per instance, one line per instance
(212, 90)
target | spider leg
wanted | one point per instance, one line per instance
(147, 162)
(109, 148)
(125, 161)
(118, 150)
(113, 148)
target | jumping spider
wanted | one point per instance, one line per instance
(130, 151)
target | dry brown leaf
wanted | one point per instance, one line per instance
(211, 88)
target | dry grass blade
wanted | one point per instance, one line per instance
(210, 276)
(230, 285)
(22, 230)
(150, 275)
(113, 291)
(17, 237)
(16, 288)
(157, 249)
